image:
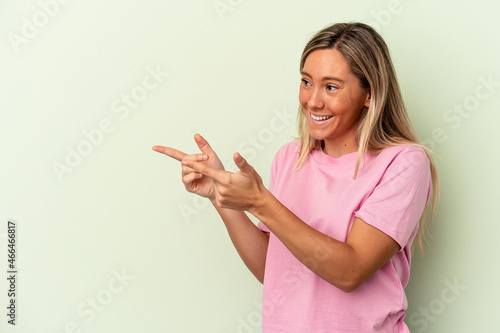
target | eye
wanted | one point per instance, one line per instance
(331, 88)
(305, 82)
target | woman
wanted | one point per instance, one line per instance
(333, 245)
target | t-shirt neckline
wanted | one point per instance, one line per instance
(321, 157)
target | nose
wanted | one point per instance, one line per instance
(315, 101)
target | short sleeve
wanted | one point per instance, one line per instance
(261, 225)
(397, 202)
(274, 167)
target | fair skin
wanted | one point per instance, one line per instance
(329, 89)
(330, 93)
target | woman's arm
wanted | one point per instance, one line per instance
(249, 241)
(344, 265)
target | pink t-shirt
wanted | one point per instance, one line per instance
(389, 193)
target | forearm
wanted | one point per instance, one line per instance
(344, 265)
(332, 260)
(250, 242)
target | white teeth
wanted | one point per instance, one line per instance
(320, 118)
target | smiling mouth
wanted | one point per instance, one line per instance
(319, 118)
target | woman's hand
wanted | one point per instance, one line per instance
(242, 190)
(193, 180)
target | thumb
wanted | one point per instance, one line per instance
(242, 164)
(203, 145)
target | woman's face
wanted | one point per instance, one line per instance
(332, 100)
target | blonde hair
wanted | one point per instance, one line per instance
(385, 122)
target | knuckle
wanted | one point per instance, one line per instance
(223, 191)
(227, 179)
(186, 171)
(202, 169)
(218, 199)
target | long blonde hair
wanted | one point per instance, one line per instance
(385, 122)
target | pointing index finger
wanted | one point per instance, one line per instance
(171, 152)
(217, 175)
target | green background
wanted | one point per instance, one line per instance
(121, 209)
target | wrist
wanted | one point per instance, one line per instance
(266, 207)
(213, 201)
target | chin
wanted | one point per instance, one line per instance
(318, 137)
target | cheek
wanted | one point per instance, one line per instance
(303, 98)
(334, 105)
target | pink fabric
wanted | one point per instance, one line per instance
(390, 193)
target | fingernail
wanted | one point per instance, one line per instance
(205, 157)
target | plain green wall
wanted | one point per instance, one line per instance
(113, 243)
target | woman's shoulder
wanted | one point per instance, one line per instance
(287, 154)
(289, 148)
(403, 149)
(404, 155)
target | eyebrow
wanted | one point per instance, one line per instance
(326, 78)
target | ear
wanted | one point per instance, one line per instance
(368, 99)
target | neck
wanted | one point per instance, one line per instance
(337, 148)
